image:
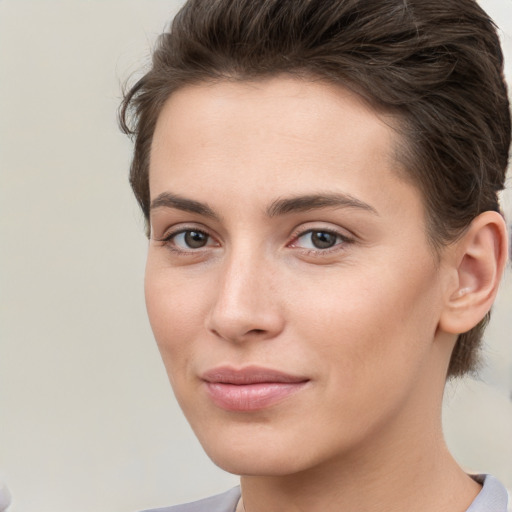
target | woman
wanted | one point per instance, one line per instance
(319, 181)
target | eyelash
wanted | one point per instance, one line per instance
(168, 241)
(341, 241)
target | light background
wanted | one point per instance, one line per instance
(87, 419)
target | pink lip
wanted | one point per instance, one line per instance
(251, 388)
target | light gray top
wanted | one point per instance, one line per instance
(492, 498)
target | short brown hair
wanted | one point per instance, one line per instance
(438, 64)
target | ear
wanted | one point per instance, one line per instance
(479, 259)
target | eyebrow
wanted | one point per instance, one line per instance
(277, 208)
(168, 200)
(316, 202)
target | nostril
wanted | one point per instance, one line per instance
(238, 336)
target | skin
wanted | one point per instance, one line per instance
(361, 321)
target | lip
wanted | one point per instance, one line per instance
(251, 388)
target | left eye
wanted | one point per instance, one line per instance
(318, 240)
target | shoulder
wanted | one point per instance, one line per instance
(225, 502)
(492, 498)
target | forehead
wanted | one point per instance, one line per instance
(281, 108)
(255, 141)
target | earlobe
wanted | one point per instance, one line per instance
(481, 256)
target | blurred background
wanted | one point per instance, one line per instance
(87, 419)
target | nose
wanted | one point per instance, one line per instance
(246, 304)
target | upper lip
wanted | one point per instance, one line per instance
(249, 375)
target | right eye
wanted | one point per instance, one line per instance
(189, 239)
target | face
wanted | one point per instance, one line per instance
(289, 283)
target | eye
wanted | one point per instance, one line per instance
(189, 239)
(319, 239)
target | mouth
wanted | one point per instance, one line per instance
(250, 389)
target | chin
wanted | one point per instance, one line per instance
(257, 463)
(259, 452)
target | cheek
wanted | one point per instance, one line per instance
(174, 310)
(371, 344)
(372, 324)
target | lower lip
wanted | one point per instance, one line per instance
(251, 397)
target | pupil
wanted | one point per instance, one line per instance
(195, 239)
(323, 240)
